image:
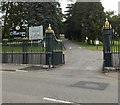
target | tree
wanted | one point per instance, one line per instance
(114, 20)
(68, 24)
(85, 19)
(35, 14)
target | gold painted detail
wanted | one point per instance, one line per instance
(25, 38)
(49, 30)
(107, 25)
(5, 39)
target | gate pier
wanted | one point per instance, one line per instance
(111, 48)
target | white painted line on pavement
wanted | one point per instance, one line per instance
(21, 71)
(55, 100)
(79, 47)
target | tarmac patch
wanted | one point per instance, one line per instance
(91, 85)
(32, 68)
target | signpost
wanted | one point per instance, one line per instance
(36, 33)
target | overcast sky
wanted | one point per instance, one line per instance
(107, 4)
(110, 5)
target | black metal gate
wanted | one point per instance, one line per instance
(111, 48)
(48, 51)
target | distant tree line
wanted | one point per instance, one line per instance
(82, 19)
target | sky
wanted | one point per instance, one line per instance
(107, 4)
(110, 5)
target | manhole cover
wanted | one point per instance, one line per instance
(30, 68)
(90, 85)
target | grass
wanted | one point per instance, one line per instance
(37, 49)
(94, 47)
(90, 47)
(18, 48)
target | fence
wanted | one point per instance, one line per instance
(48, 51)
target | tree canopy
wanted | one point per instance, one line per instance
(33, 13)
(85, 19)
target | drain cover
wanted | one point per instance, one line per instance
(32, 68)
(90, 85)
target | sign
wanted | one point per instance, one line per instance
(36, 32)
(97, 42)
(17, 32)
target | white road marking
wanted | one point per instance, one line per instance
(21, 71)
(55, 100)
(79, 47)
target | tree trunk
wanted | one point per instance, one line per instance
(88, 41)
(93, 42)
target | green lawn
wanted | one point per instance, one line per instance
(99, 47)
(30, 49)
(19, 49)
(90, 47)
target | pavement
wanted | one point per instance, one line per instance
(59, 84)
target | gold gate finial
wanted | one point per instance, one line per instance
(49, 30)
(107, 24)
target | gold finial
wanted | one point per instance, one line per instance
(49, 30)
(106, 19)
(107, 24)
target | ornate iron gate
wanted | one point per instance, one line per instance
(111, 48)
(48, 51)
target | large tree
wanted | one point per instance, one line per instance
(114, 20)
(34, 13)
(86, 20)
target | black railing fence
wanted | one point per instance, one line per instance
(24, 51)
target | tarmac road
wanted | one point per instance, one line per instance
(56, 86)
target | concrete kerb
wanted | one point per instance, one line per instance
(17, 67)
(112, 74)
(8, 70)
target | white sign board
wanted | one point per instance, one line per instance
(97, 42)
(35, 32)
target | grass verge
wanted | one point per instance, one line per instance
(90, 47)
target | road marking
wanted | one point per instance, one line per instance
(79, 47)
(21, 71)
(55, 100)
